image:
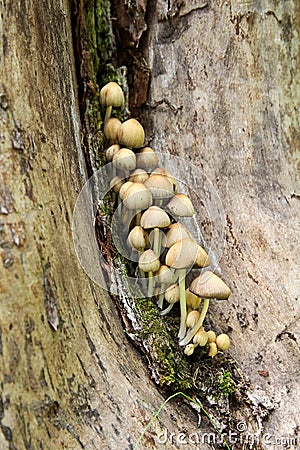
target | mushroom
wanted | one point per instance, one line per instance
(165, 277)
(180, 205)
(147, 159)
(213, 349)
(111, 95)
(207, 286)
(111, 128)
(149, 263)
(138, 238)
(192, 318)
(156, 218)
(211, 336)
(192, 300)
(200, 338)
(160, 187)
(116, 184)
(139, 176)
(131, 134)
(136, 198)
(124, 160)
(172, 295)
(175, 232)
(223, 342)
(111, 151)
(166, 173)
(189, 349)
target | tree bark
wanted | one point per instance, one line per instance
(70, 378)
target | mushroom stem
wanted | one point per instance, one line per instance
(161, 296)
(156, 241)
(150, 284)
(167, 310)
(138, 218)
(107, 113)
(182, 328)
(198, 325)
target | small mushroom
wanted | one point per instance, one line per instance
(180, 205)
(136, 198)
(111, 151)
(155, 218)
(111, 95)
(175, 232)
(200, 338)
(116, 184)
(211, 336)
(149, 263)
(160, 187)
(165, 277)
(138, 176)
(138, 238)
(131, 134)
(189, 349)
(146, 159)
(164, 172)
(124, 160)
(213, 349)
(223, 342)
(172, 296)
(111, 128)
(192, 318)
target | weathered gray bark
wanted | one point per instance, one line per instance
(69, 376)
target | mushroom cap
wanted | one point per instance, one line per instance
(111, 128)
(165, 275)
(211, 336)
(111, 151)
(175, 232)
(148, 261)
(223, 342)
(131, 134)
(124, 159)
(200, 338)
(202, 258)
(137, 197)
(180, 205)
(155, 217)
(139, 176)
(213, 349)
(116, 184)
(124, 188)
(147, 159)
(209, 285)
(111, 95)
(172, 294)
(189, 349)
(192, 318)
(192, 300)
(166, 173)
(159, 186)
(182, 254)
(137, 238)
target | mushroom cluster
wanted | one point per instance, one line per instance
(164, 248)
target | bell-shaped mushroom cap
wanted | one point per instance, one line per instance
(111, 129)
(213, 349)
(159, 186)
(116, 184)
(172, 294)
(137, 238)
(124, 188)
(111, 95)
(165, 275)
(200, 338)
(139, 176)
(180, 205)
(149, 262)
(209, 285)
(175, 232)
(223, 342)
(111, 151)
(124, 159)
(202, 258)
(192, 318)
(166, 173)
(182, 254)
(147, 159)
(155, 217)
(131, 134)
(137, 197)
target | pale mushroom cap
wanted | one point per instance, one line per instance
(172, 294)
(192, 300)
(209, 285)
(139, 176)
(111, 95)
(175, 232)
(165, 275)
(189, 349)
(164, 172)
(131, 134)
(180, 205)
(213, 349)
(111, 151)
(202, 258)
(111, 129)
(137, 197)
(147, 159)
(159, 186)
(200, 338)
(137, 238)
(223, 342)
(148, 261)
(116, 184)
(124, 159)
(124, 188)
(182, 254)
(155, 217)
(192, 318)
(211, 336)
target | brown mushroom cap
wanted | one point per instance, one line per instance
(149, 262)
(139, 176)
(182, 254)
(175, 232)
(124, 159)
(137, 197)
(159, 186)
(131, 134)
(112, 95)
(111, 129)
(146, 159)
(209, 285)
(180, 205)
(155, 217)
